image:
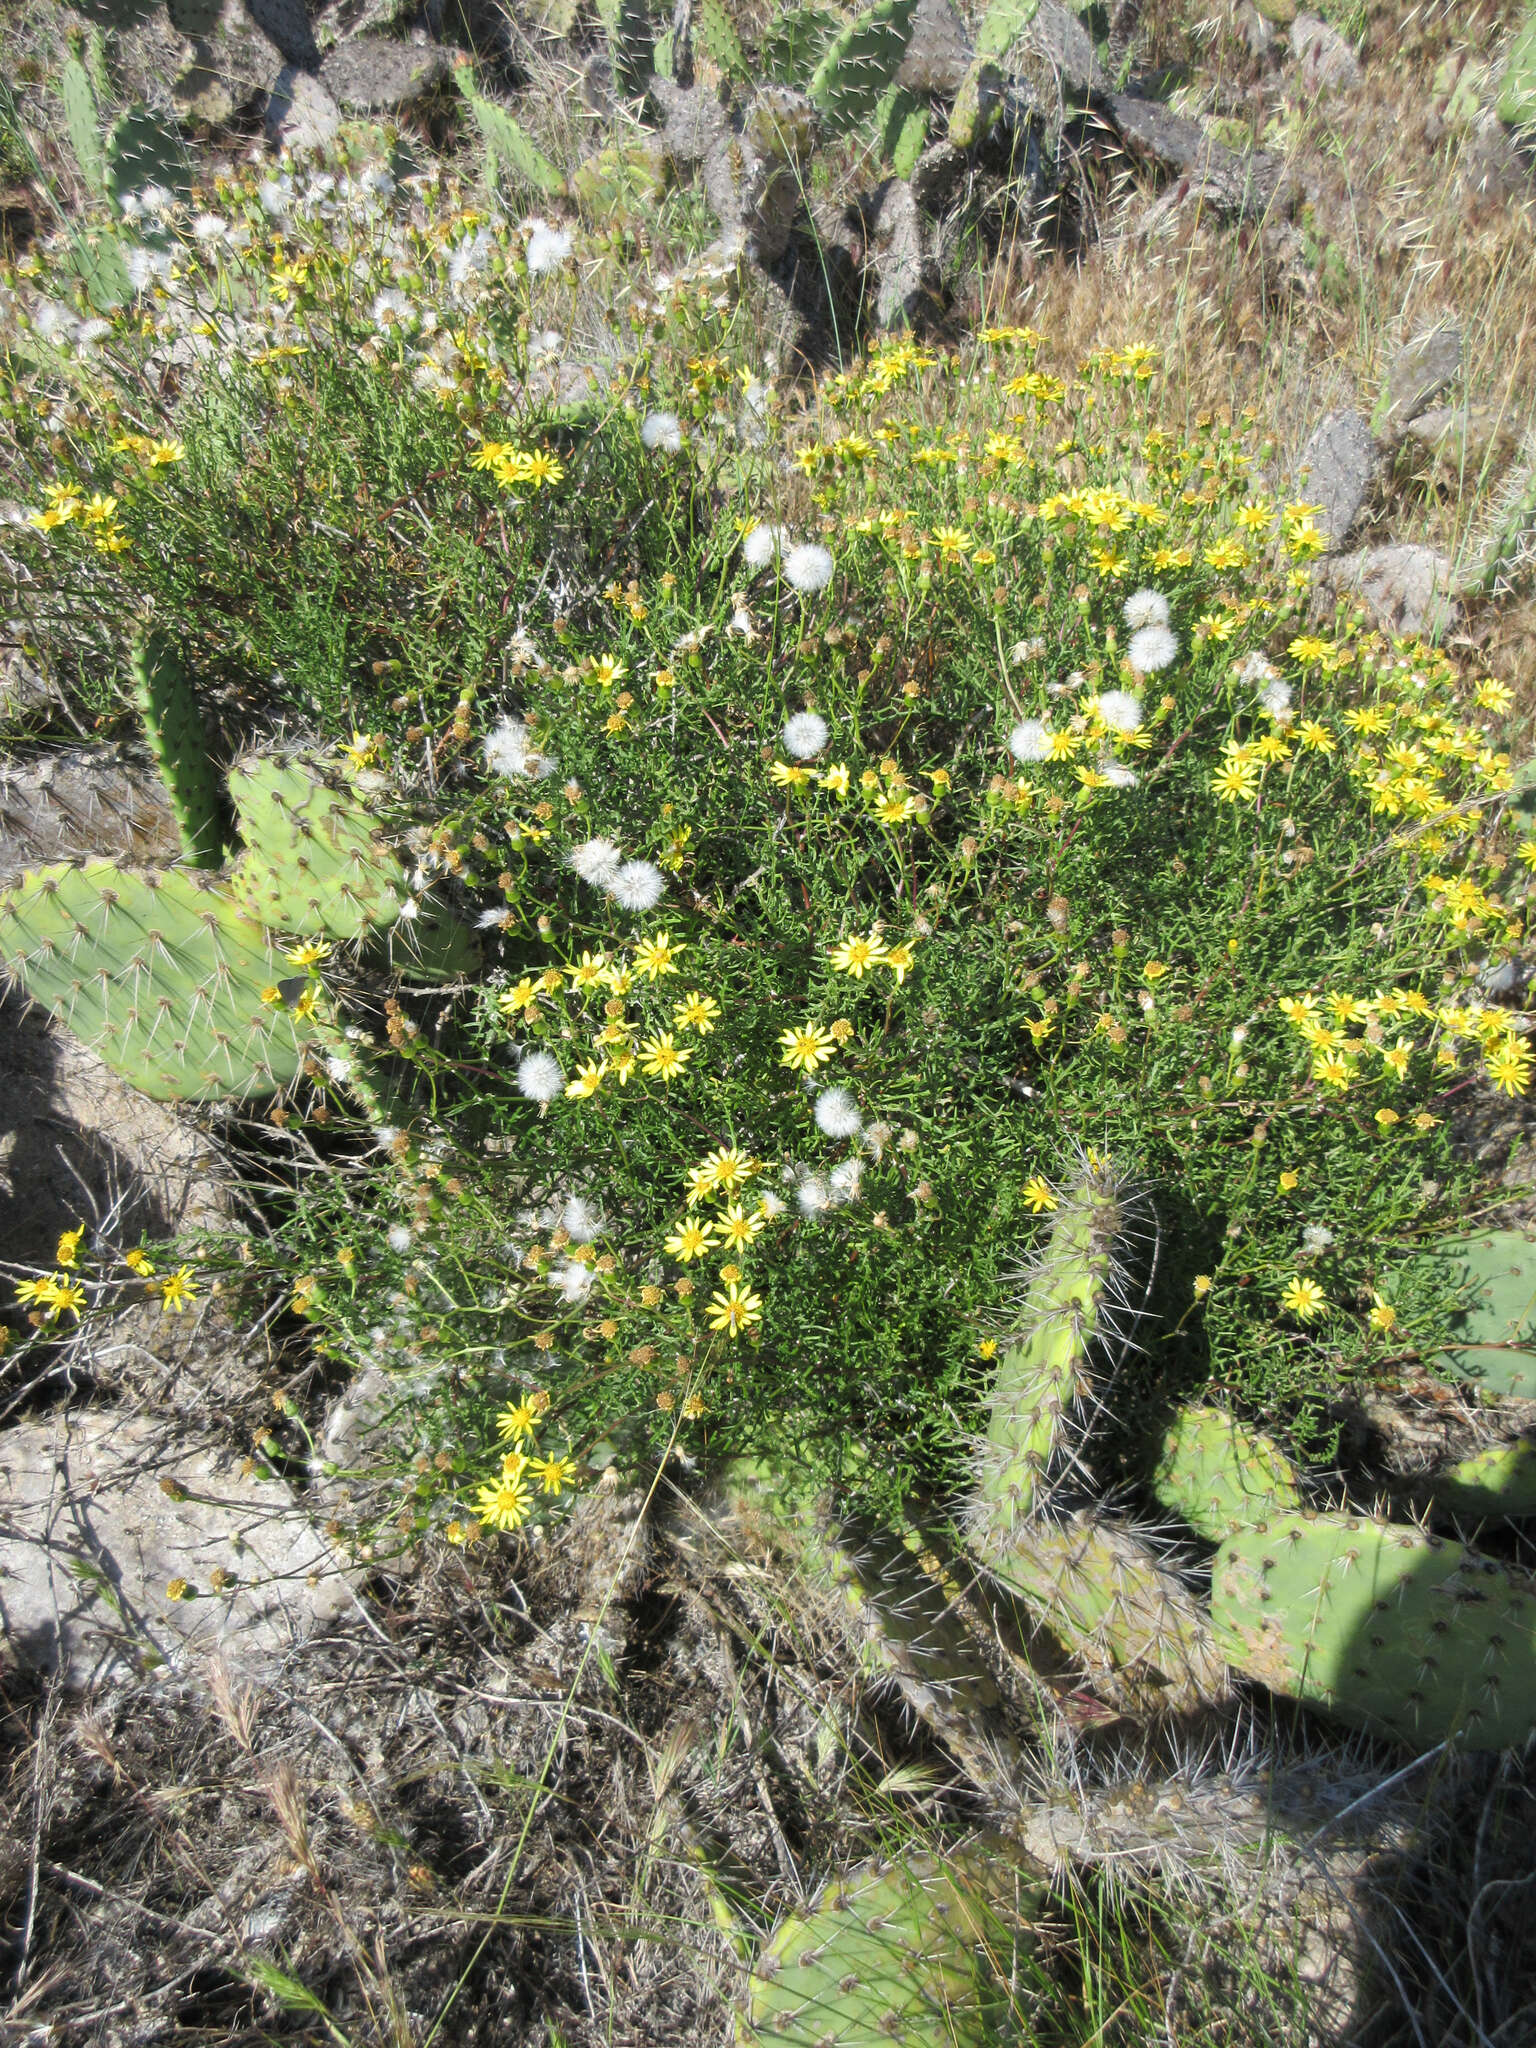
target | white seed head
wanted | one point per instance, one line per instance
(808, 566)
(1117, 775)
(1154, 647)
(581, 1220)
(661, 430)
(637, 885)
(539, 1077)
(812, 1196)
(844, 1182)
(1145, 608)
(509, 750)
(1030, 740)
(399, 1238)
(596, 861)
(1120, 711)
(838, 1114)
(572, 1282)
(804, 735)
(547, 249)
(762, 544)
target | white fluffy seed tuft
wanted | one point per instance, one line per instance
(637, 885)
(539, 1077)
(1120, 711)
(1145, 608)
(838, 1114)
(547, 249)
(596, 861)
(661, 430)
(1030, 740)
(804, 735)
(808, 566)
(1154, 647)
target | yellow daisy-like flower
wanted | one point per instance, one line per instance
(504, 1506)
(1039, 1194)
(654, 957)
(1304, 1299)
(38, 1293)
(69, 1245)
(138, 1263)
(588, 1080)
(836, 779)
(690, 1240)
(176, 1290)
(895, 809)
(622, 1067)
(1334, 1069)
(856, 955)
(661, 1058)
(517, 1422)
(727, 1167)
(589, 972)
(735, 1228)
(554, 1474)
(807, 1047)
(1383, 1315)
(899, 960)
(620, 979)
(1288, 1181)
(309, 953)
(1508, 1066)
(1236, 782)
(696, 1013)
(735, 1310)
(789, 775)
(1315, 737)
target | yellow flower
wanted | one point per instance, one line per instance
(789, 775)
(1236, 781)
(621, 1067)
(620, 979)
(806, 1048)
(696, 1013)
(517, 1423)
(1387, 1118)
(655, 957)
(551, 980)
(899, 960)
(176, 1290)
(1397, 1057)
(554, 1474)
(1039, 1194)
(523, 997)
(725, 1168)
(1334, 1069)
(895, 809)
(514, 1465)
(1315, 737)
(1493, 696)
(1288, 1181)
(836, 779)
(160, 453)
(505, 1505)
(690, 1240)
(311, 951)
(1304, 1298)
(951, 540)
(589, 972)
(735, 1310)
(69, 1244)
(737, 1229)
(1509, 1067)
(138, 1263)
(1383, 1315)
(857, 955)
(662, 1059)
(588, 1080)
(987, 1348)
(1203, 1285)
(39, 1293)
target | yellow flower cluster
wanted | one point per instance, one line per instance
(517, 468)
(1324, 1024)
(63, 1292)
(507, 1501)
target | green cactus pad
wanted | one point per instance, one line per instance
(976, 104)
(861, 63)
(178, 738)
(99, 262)
(160, 975)
(1496, 1333)
(1044, 1371)
(312, 861)
(506, 143)
(1131, 1624)
(1517, 86)
(902, 119)
(1002, 25)
(1500, 1481)
(1220, 1476)
(716, 35)
(919, 1950)
(143, 149)
(1381, 1626)
(793, 44)
(83, 120)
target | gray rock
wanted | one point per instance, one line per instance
(230, 60)
(82, 803)
(1417, 375)
(1335, 471)
(1465, 439)
(372, 74)
(300, 114)
(101, 1511)
(1057, 44)
(938, 50)
(1405, 588)
(1326, 60)
(1494, 164)
(904, 264)
(1234, 186)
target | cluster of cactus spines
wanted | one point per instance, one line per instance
(1121, 1616)
(902, 120)
(1046, 1370)
(918, 1949)
(1511, 541)
(1220, 1476)
(861, 62)
(508, 147)
(313, 860)
(976, 104)
(715, 35)
(794, 43)
(781, 125)
(160, 975)
(178, 738)
(1381, 1626)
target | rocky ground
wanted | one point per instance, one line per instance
(405, 1798)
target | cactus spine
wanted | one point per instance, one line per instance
(178, 739)
(861, 62)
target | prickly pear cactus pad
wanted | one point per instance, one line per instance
(313, 860)
(1220, 1476)
(160, 974)
(1381, 1626)
(916, 1951)
(173, 724)
(1495, 1333)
